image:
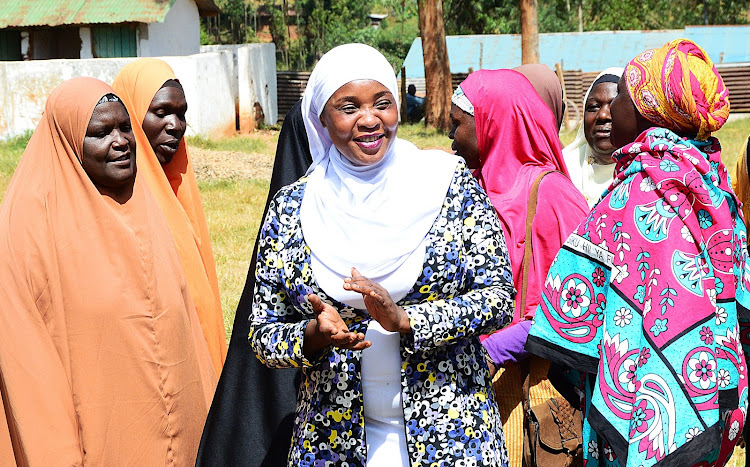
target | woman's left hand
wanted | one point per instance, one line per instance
(379, 303)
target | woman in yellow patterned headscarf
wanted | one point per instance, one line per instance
(665, 289)
(677, 87)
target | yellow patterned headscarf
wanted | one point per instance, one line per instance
(677, 87)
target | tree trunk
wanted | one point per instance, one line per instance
(529, 32)
(437, 70)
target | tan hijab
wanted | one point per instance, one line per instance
(547, 85)
(176, 191)
(101, 355)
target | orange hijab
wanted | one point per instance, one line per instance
(176, 190)
(101, 355)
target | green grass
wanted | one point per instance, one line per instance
(733, 136)
(10, 152)
(233, 212)
(240, 143)
(424, 137)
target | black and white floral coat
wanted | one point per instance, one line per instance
(465, 290)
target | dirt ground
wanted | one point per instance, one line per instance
(216, 164)
(233, 165)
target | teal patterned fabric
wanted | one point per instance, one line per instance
(649, 297)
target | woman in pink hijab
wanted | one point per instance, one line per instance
(509, 136)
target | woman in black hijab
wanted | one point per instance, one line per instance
(252, 414)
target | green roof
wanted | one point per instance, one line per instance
(26, 13)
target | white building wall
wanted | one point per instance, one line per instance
(179, 34)
(207, 80)
(256, 66)
(87, 47)
(24, 87)
(255, 81)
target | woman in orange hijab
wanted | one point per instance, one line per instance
(157, 105)
(101, 355)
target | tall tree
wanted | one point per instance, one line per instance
(529, 32)
(437, 71)
(328, 23)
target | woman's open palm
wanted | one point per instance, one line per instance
(330, 325)
(379, 303)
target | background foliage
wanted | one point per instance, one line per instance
(304, 29)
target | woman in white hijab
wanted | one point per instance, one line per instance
(377, 273)
(589, 156)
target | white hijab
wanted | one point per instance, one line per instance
(590, 179)
(375, 218)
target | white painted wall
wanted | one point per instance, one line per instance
(24, 87)
(255, 80)
(87, 47)
(256, 66)
(179, 34)
(207, 81)
(232, 49)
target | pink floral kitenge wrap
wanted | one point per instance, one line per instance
(647, 297)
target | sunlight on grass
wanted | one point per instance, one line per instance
(233, 212)
(239, 143)
(10, 152)
(424, 138)
(732, 137)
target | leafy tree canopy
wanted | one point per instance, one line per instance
(320, 25)
(503, 16)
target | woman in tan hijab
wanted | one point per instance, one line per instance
(157, 105)
(101, 354)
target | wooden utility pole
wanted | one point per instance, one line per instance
(437, 71)
(529, 32)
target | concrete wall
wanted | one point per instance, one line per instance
(179, 34)
(24, 87)
(255, 81)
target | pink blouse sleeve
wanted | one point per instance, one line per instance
(560, 209)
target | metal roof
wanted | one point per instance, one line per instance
(26, 13)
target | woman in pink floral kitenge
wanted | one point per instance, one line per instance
(649, 296)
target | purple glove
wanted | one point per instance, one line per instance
(507, 345)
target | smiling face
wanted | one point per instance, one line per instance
(463, 132)
(597, 121)
(362, 119)
(164, 123)
(109, 149)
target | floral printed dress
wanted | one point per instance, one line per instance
(649, 298)
(464, 290)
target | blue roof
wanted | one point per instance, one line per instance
(585, 51)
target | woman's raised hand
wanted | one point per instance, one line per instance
(379, 303)
(329, 329)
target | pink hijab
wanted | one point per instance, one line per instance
(518, 140)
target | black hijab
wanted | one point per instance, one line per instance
(252, 415)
